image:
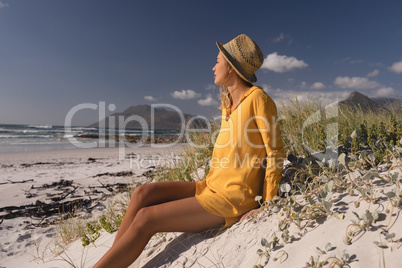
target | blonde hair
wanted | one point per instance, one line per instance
(226, 98)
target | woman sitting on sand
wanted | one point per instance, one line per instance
(246, 162)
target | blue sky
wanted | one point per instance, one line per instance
(56, 54)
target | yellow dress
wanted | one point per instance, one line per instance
(247, 158)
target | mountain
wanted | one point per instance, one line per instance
(389, 103)
(162, 118)
(357, 100)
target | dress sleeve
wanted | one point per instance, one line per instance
(266, 121)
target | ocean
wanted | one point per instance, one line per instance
(31, 138)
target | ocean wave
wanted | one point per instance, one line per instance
(26, 136)
(42, 134)
(83, 128)
(31, 142)
(27, 131)
(21, 131)
(41, 126)
(66, 136)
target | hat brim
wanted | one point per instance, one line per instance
(233, 62)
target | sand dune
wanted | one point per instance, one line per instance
(322, 239)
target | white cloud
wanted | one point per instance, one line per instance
(373, 73)
(208, 101)
(384, 92)
(210, 87)
(3, 5)
(303, 85)
(268, 89)
(317, 86)
(348, 60)
(355, 61)
(281, 64)
(285, 97)
(185, 94)
(355, 82)
(396, 67)
(150, 98)
(377, 64)
(279, 38)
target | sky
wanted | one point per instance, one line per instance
(59, 54)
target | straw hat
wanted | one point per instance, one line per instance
(244, 55)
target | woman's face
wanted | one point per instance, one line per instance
(221, 70)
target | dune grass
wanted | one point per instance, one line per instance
(307, 124)
(196, 156)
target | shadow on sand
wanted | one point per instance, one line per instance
(179, 245)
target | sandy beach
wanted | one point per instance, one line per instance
(61, 177)
(24, 240)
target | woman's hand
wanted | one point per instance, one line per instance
(250, 214)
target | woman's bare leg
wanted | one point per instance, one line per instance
(183, 215)
(152, 194)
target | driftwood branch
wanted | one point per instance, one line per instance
(13, 182)
(58, 205)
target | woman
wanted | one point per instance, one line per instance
(246, 162)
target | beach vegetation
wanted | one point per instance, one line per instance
(68, 230)
(194, 163)
(342, 260)
(266, 253)
(73, 226)
(109, 220)
(311, 188)
(82, 262)
(91, 235)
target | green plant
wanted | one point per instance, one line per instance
(91, 235)
(382, 133)
(342, 261)
(266, 252)
(355, 145)
(362, 224)
(109, 223)
(41, 253)
(314, 262)
(66, 258)
(68, 230)
(363, 132)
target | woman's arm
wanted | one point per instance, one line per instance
(269, 129)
